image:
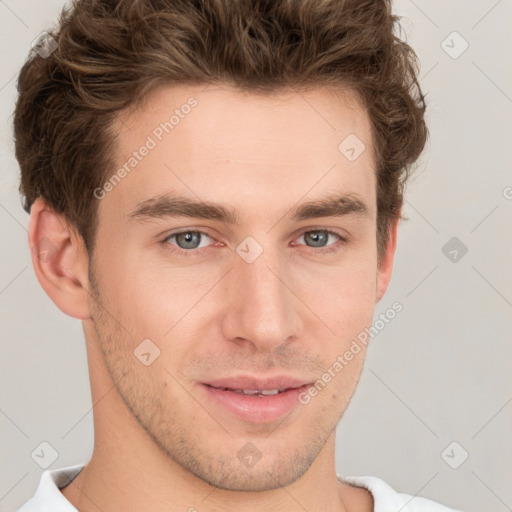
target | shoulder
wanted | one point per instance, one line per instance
(48, 497)
(386, 498)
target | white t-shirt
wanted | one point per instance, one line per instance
(48, 498)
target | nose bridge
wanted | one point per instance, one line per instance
(262, 309)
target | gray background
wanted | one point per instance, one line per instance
(438, 373)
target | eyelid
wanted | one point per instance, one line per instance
(329, 231)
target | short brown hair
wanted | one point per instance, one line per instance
(111, 54)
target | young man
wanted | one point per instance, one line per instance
(215, 189)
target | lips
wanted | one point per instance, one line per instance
(255, 400)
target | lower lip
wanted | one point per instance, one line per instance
(254, 408)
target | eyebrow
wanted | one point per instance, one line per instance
(170, 205)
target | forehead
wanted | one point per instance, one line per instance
(220, 144)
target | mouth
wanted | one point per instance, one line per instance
(256, 400)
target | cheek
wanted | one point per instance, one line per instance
(344, 296)
(127, 292)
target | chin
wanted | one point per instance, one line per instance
(238, 479)
(267, 470)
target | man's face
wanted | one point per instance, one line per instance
(267, 300)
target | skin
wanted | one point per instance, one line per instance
(159, 442)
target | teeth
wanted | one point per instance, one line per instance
(263, 392)
(254, 392)
(270, 392)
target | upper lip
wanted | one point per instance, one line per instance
(258, 383)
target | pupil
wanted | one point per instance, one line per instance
(318, 238)
(188, 240)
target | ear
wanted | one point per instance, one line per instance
(60, 260)
(385, 267)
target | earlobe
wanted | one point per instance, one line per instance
(60, 260)
(386, 264)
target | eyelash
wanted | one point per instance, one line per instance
(199, 252)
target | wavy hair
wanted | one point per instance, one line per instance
(110, 54)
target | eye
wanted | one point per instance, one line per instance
(318, 238)
(188, 240)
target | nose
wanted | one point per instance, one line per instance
(261, 308)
